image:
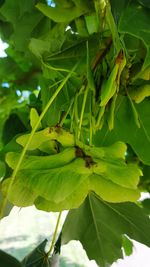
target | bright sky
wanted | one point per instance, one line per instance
(140, 257)
(3, 46)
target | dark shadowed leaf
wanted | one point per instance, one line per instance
(118, 8)
(145, 3)
(6, 260)
(37, 258)
(146, 205)
(99, 226)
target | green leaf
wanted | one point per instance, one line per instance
(140, 93)
(118, 8)
(8, 102)
(135, 21)
(99, 226)
(34, 116)
(11, 146)
(110, 86)
(55, 185)
(38, 47)
(146, 205)
(64, 3)
(46, 135)
(9, 70)
(73, 50)
(24, 18)
(8, 207)
(127, 131)
(8, 260)
(10, 10)
(127, 246)
(91, 22)
(62, 181)
(62, 14)
(72, 201)
(23, 31)
(145, 179)
(81, 27)
(135, 114)
(38, 257)
(24, 196)
(15, 124)
(40, 137)
(50, 42)
(82, 3)
(60, 104)
(2, 169)
(26, 6)
(112, 26)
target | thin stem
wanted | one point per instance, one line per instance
(113, 28)
(82, 111)
(67, 112)
(100, 115)
(55, 69)
(3, 205)
(55, 234)
(76, 115)
(91, 130)
(102, 54)
(72, 116)
(56, 83)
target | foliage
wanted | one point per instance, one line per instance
(94, 215)
(74, 112)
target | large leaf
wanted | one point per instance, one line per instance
(60, 104)
(126, 129)
(118, 8)
(9, 70)
(51, 42)
(24, 18)
(99, 226)
(62, 14)
(63, 180)
(74, 49)
(135, 21)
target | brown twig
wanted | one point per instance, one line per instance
(102, 54)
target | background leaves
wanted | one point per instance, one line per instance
(126, 129)
(44, 43)
(138, 27)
